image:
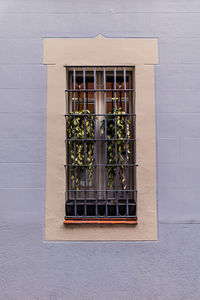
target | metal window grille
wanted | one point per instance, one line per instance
(100, 157)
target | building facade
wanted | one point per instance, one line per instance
(33, 268)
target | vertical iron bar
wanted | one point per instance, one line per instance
(112, 98)
(78, 99)
(67, 194)
(105, 111)
(116, 154)
(95, 145)
(85, 168)
(75, 187)
(120, 98)
(87, 94)
(126, 175)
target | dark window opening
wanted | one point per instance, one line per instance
(100, 145)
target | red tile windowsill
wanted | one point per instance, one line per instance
(101, 221)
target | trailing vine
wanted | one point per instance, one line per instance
(80, 125)
(123, 148)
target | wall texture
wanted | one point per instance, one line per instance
(34, 269)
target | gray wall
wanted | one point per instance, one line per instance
(34, 269)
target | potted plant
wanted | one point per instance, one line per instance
(122, 135)
(80, 131)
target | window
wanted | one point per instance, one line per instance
(114, 58)
(100, 145)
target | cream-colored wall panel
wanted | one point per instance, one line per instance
(59, 52)
(55, 147)
(100, 51)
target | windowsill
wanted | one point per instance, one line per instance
(120, 220)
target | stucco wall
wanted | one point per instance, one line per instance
(34, 269)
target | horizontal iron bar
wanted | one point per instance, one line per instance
(94, 140)
(100, 201)
(106, 165)
(99, 90)
(99, 191)
(100, 206)
(107, 217)
(108, 114)
(100, 67)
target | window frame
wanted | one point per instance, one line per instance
(143, 55)
(80, 208)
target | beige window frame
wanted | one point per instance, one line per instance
(142, 54)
